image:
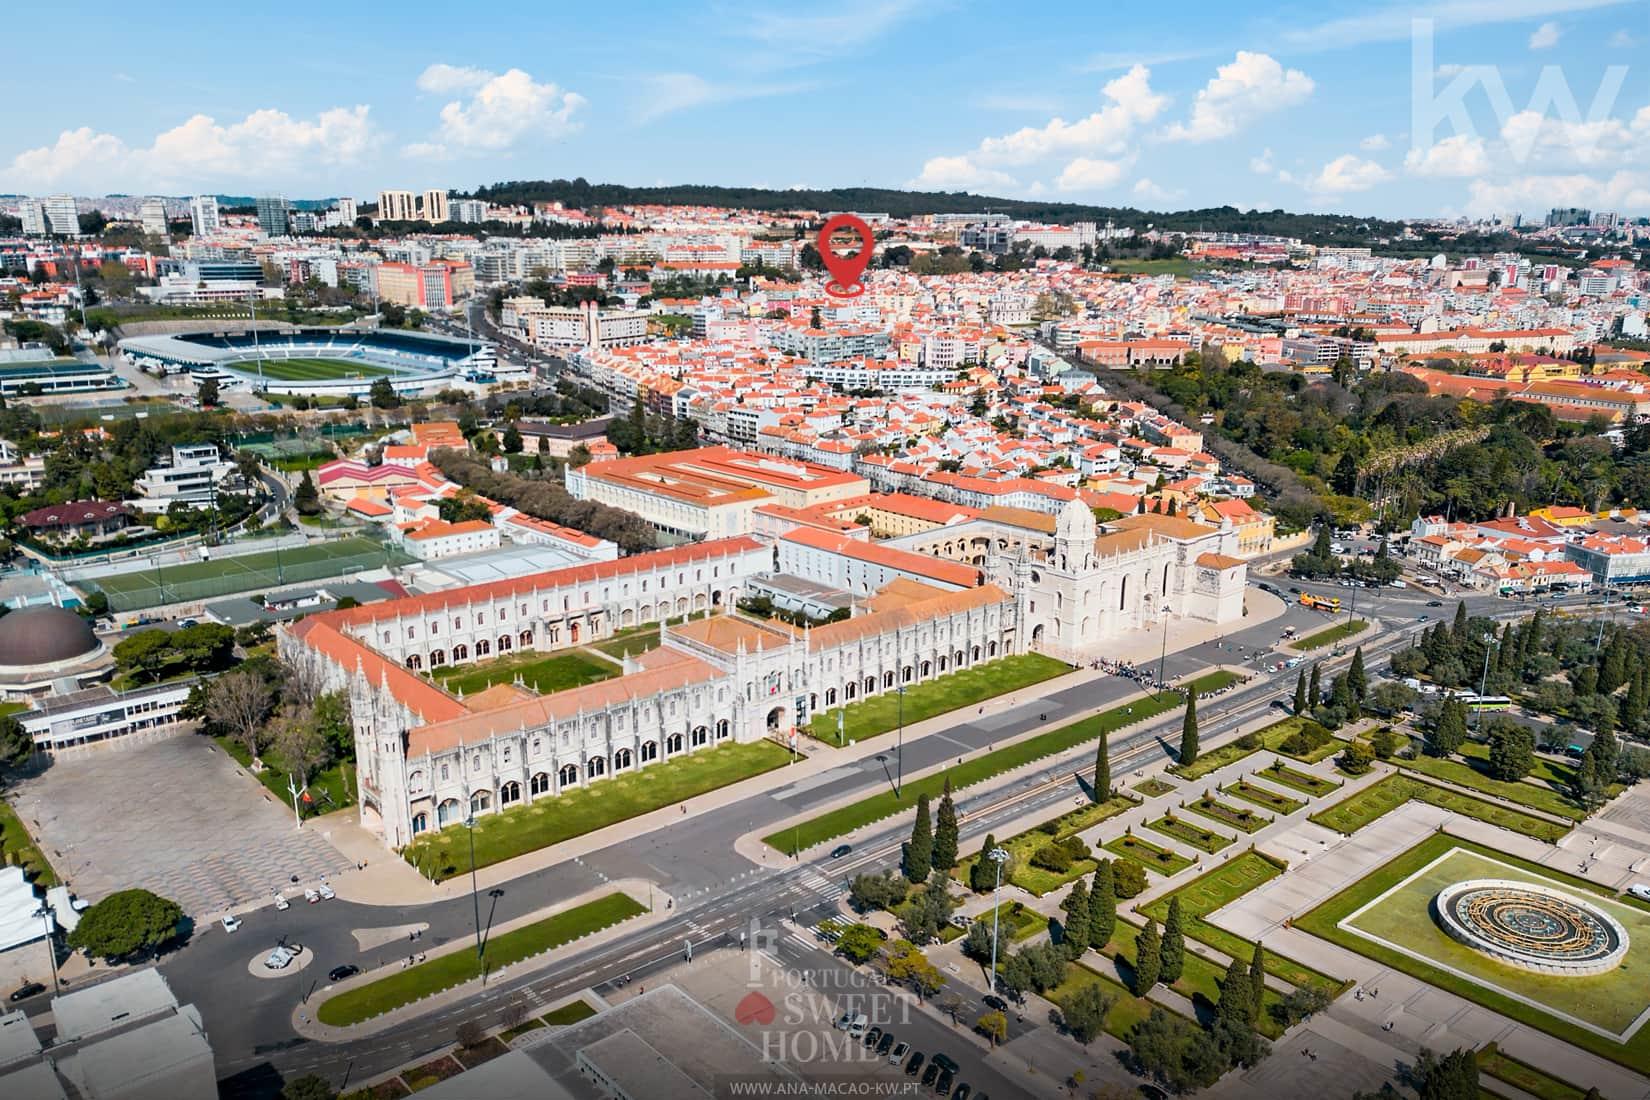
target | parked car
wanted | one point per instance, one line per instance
(326, 892)
(964, 1091)
(995, 1003)
(943, 1084)
(841, 850)
(931, 1074)
(914, 1066)
(886, 1044)
(872, 1036)
(279, 959)
(857, 1028)
(26, 990)
(339, 973)
(1640, 890)
(897, 1055)
(311, 896)
(281, 903)
(231, 923)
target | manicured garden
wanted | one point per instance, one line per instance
(968, 687)
(632, 643)
(1299, 737)
(1204, 840)
(1039, 880)
(1471, 774)
(1148, 855)
(1392, 906)
(445, 971)
(540, 673)
(330, 788)
(1282, 805)
(1282, 774)
(1220, 887)
(1238, 817)
(1126, 1009)
(1153, 787)
(1521, 1075)
(1199, 979)
(846, 819)
(1340, 632)
(1353, 813)
(521, 829)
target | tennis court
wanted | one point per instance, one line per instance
(308, 370)
(200, 580)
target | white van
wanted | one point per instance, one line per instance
(856, 1028)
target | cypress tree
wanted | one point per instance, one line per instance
(1355, 678)
(1314, 691)
(919, 853)
(1173, 953)
(1257, 982)
(1458, 628)
(1102, 906)
(1235, 994)
(982, 873)
(1450, 729)
(1148, 958)
(1606, 748)
(1188, 732)
(945, 832)
(1102, 770)
(1300, 692)
(1076, 907)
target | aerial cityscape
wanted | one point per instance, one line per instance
(903, 549)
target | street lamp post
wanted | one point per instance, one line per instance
(999, 857)
(1163, 657)
(899, 747)
(475, 898)
(1484, 677)
(46, 918)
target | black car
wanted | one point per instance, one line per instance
(943, 1085)
(841, 850)
(992, 1001)
(339, 973)
(872, 1036)
(886, 1045)
(1435, 603)
(914, 1066)
(27, 990)
(964, 1091)
(930, 1074)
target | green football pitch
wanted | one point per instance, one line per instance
(194, 580)
(308, 370)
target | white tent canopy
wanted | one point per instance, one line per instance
(18, 905)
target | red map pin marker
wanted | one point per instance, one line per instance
(845, 270)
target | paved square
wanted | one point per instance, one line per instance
(175, 816)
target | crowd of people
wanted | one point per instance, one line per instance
(1146, 679)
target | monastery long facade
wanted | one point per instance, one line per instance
(427, 759)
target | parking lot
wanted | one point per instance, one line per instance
(175, 816)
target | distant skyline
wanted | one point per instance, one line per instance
(1530, 104)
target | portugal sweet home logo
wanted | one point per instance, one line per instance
(754, 1009)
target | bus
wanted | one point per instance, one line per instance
(1331, 604)
(1485, 702)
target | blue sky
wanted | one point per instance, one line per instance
(1300, 105)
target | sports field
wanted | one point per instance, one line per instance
(308, 370)
(195, 580)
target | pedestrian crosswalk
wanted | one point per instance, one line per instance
(829, 889)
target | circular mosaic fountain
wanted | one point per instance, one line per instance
(1530, 926)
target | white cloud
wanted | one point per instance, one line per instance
(1146, 189)
(267, 146)
(799, 36)
(1455, 156)
(1374, 143)
(1546, 36)
(1251, 85)
(1262, 165)
(1606, 140)
(441, 78)
(1014, 101)
(503, 108)
(1347, 173)
(1622, 190)
(1132, 102)
(669, 93)
(958, 174)
(1089, 174)
(1623, 39)
(1394, 23)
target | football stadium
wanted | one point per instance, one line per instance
(316, 362)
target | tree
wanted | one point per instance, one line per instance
(994, 1026)
(877, 891)
(146, 654)
(1607, 748)
(125, 923)
(1076, 908)
(927, 910)
(1102, 770)
(1257, 982)
(301, 747)
(1188, 732)
(1102, 906)
(982, 873)
(1512, 752)
(1452, 1077)
(1356, 678)
(237, 703)
(1173, 953)
(1587, 784)
(977, 943)
(1148, 959)
(1357, 758)
(512, 440)
(859, 942)
(306, 498)
(207, 393)
(1449, 730)
(919, 851)
(1387, 742)
(1300, 692)
(1176, 1051)
(945, 832)
(462, 507)
(1084, 1012)
(1314, 691)
(1345, 478)
(382, 394)
(907, 963)
(1236, 995)
(308, 1087)
(1128, 878)
(16, 746)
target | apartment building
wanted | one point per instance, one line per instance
(434, 207)
(397, 206)
(192, 477)
(437, 285)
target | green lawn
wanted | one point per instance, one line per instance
(1523, 1076)
(18, 849)
(633, 643)
(1199, 979)
(1153, 787)
(1340, 632)
(1282, 805)
(1269, 737)
(1238, 817)
(1148, 855)
(244, 572)
(543, 674)
(570, 1013)
(329, 789)
(1557, 774)
(501, 836)
(1220, 887)
(1019, 921)
(1040, 880)
(445, 971)
(307, 370)
(1204, 840)
(1353, 813)
(1471, 774)
(1406, 885)
(954, 690)
(1282, 774)
(1126, 1009)
(847, 818)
